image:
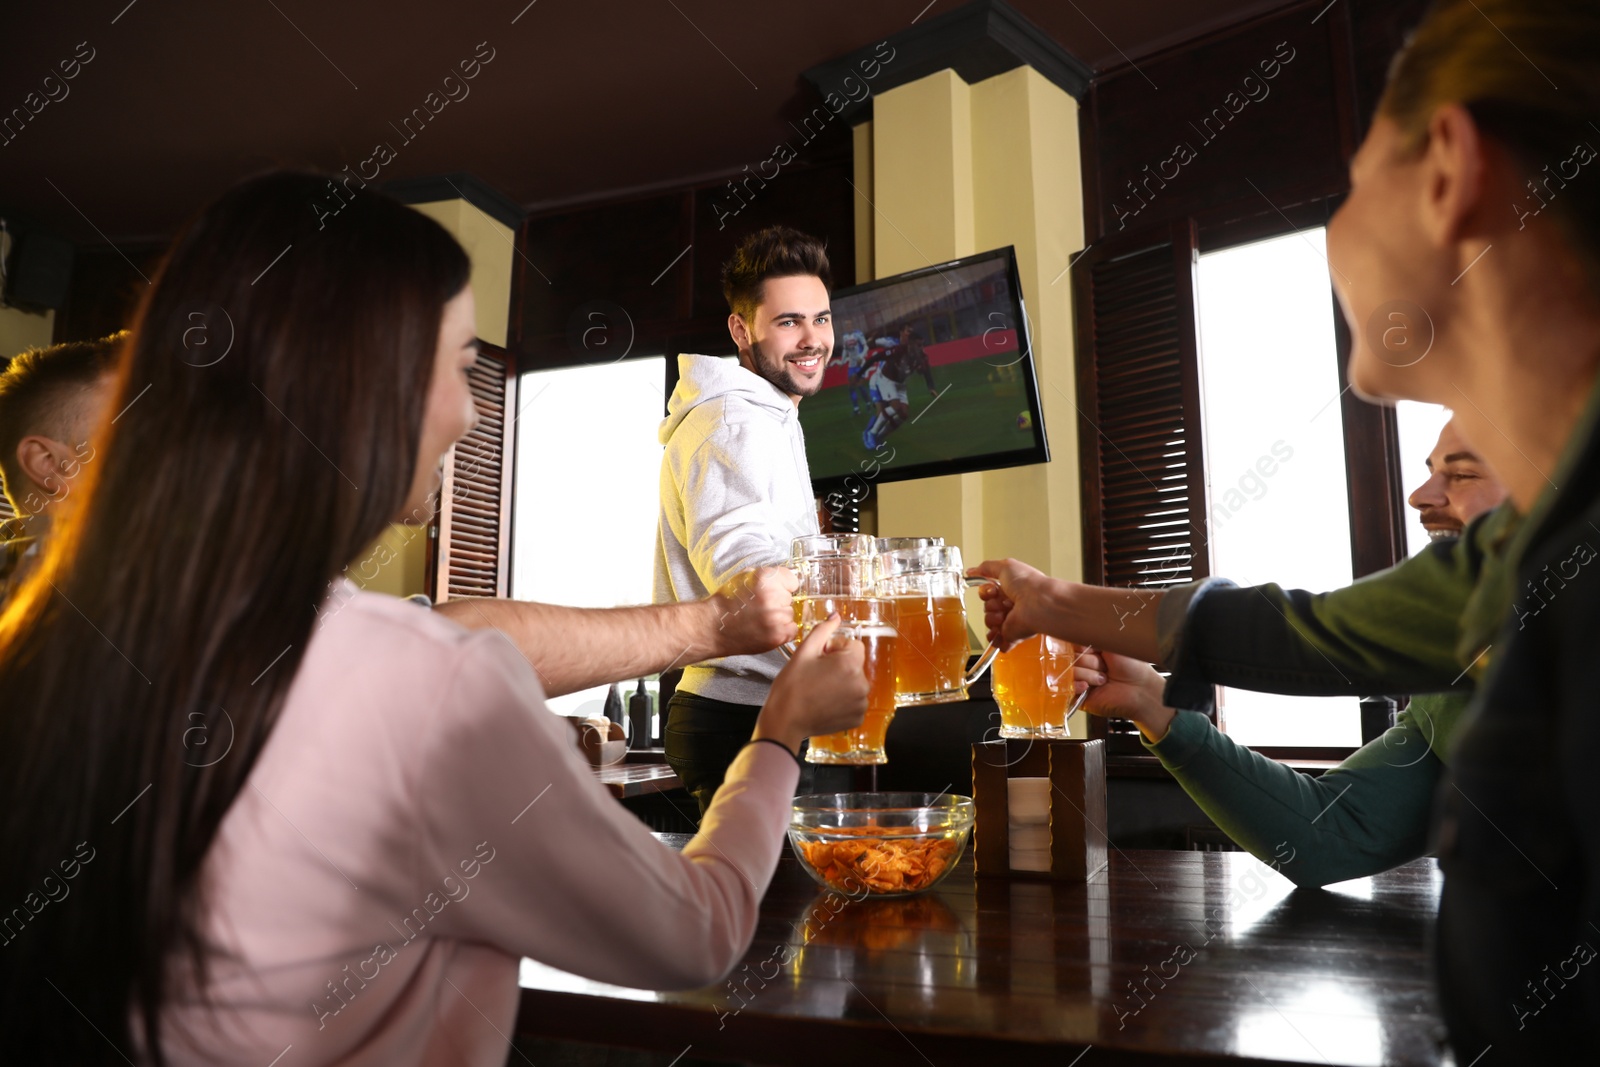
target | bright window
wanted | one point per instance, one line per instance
(1277, 504)
(588, 491)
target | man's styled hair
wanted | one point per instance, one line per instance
(775, 252)
(38, 391)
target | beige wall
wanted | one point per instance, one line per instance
(396, 562)
(490, 244)
(20, 330)
(955, 169)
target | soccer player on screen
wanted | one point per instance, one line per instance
(853, 354)
(916, 356)
(887, 367)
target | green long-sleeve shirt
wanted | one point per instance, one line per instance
(1368, 814)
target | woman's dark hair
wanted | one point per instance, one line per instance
(271, 399)
(1527, 72)
(775, 252)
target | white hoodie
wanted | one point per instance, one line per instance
(735, 491)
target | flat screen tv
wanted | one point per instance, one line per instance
(931, 373)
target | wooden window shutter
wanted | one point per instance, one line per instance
(472, 547)
(1140, 444)
(1144, 488)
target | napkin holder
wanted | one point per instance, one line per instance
(602, 742)
(1076, 772)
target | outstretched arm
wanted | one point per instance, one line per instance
(1027, 601)
(580, 848)
(1397, 631)
(576, 648)
(1368, 814)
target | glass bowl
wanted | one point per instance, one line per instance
(880, 844)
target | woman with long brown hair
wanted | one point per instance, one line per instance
(231, 825)
(1473, 221)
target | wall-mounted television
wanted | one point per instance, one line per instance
(932, 373)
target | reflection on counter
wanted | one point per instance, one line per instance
(918, 939)
(1321, 1018)
(1060, 935)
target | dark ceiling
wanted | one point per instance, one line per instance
(580, 100)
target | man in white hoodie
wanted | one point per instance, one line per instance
(735, 486)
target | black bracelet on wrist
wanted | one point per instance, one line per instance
(780, 744)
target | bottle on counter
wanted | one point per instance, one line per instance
(613, 708)
(639, 717)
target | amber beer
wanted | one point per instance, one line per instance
(930, 659)
(1033, 684)
(926, 582)
(865, 744)
(810, 610)
(869, 620)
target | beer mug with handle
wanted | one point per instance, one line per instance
(869, 620)
(1035, 687)
(832, 544)
(893, 544)
(926, 585)
(834, 570)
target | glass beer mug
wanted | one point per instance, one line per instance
(926, 585)
(832, 544)
(869, 620)
(834, 570)
(894, 544)
(1033, 684)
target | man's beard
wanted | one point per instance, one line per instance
(776, 369)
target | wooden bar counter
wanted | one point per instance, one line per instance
(626, 780)
(1210, 957)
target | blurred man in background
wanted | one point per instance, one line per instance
(51, 400)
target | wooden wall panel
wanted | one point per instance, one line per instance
(642, 276)
(590, 281)
(1259, 117)
(107, 285)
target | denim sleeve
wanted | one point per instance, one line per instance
(1396, 631)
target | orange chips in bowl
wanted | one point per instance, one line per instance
(883, 865)
(883, 844)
